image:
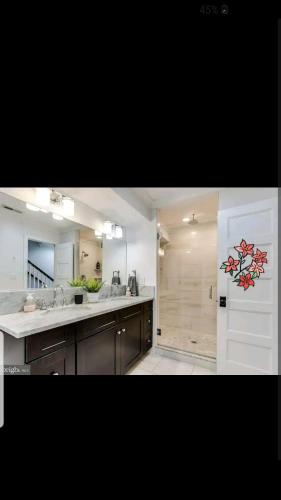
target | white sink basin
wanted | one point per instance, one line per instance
(67, 309)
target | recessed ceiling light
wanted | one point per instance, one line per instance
(57, 217)
(32, 207)
(186, 219)
(193, 233)
(158, 224)
(188, 251)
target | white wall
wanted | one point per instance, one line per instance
(114, 258)
(15, 229)
(142, 250)
(232, 197)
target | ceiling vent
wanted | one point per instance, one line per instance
(12, 209)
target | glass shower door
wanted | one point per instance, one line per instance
(187, 290)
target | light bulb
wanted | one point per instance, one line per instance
(118, 232)
(32, 207)
(68, 206)
(43, 196)
(107, 227)
(57, 217)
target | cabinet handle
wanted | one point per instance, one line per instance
(119, 332)
(54, 345)
(131, 315)
(123, 330)
(54, 373)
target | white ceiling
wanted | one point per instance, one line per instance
(162, 197)
(38, 217)
(204, 207)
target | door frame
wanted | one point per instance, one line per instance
(202, 360)
(25, 255)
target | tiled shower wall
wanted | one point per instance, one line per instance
(187, 271)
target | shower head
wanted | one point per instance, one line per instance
(193, 221)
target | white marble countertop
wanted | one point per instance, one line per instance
(22, 324)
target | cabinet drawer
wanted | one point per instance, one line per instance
(130, 312)
(61, 362)
(43, 343)
(95, 325)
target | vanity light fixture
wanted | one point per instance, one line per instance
(32, 207)
(68, 206)
(186, 219)
(63, 202)
(107, 228)
(57, 217)
(118, 231)
(43, 197)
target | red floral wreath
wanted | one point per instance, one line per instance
(253, 269)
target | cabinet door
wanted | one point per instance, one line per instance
(61, 362)
(96, 355)
(130, 342)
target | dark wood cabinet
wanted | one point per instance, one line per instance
(96, 355)
(108, 344)
(130, 342)
(61, 362)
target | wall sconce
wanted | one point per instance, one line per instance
(43, 197)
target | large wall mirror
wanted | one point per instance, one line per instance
(39, 251)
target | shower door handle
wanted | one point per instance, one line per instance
(211, 292)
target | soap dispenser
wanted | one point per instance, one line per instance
(29, 305)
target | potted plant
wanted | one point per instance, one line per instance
(92, 287)
(77, 283)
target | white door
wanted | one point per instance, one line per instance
(247, 326)
(64, 260)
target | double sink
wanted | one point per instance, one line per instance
(81, 307)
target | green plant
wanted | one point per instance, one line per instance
(92, 285)
(77, 283)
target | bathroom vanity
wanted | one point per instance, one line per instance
(104, 338)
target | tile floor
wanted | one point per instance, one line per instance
(156, 364)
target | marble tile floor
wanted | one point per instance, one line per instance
(156, 364)
(188, 340)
